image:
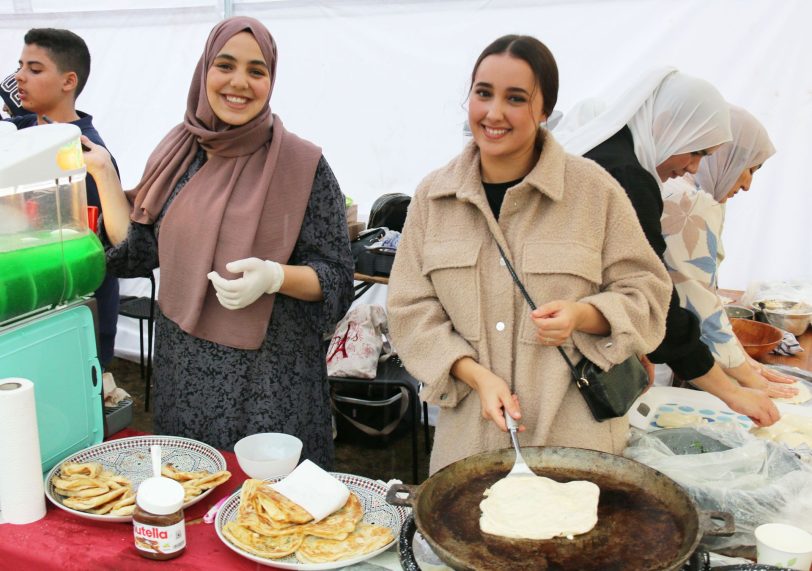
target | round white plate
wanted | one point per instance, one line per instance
(376, 511)
(129, 457)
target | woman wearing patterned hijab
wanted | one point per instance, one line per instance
(660, 128)
(693, 216)
(246, 222)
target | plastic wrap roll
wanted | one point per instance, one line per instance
(22, 496)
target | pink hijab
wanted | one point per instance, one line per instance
(248, 199)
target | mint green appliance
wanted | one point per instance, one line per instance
(50, 260)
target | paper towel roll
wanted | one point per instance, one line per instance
(22, 497)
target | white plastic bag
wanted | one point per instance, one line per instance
(756, 481)
(799, 290)
(359, 343)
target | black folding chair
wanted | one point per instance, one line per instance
(142, 309)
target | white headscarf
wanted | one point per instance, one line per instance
(750, 147)
(669, 113)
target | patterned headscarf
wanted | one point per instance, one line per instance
(750, 147)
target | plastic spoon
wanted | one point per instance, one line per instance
(155, 452)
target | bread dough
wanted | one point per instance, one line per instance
(793, 430)
(534, 507)
(679, 419)
(803, 394)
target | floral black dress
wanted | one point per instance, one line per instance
(218, 394)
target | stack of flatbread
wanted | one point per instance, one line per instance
(194, 483)
(269, 525)
(92, 489)
(88, 487)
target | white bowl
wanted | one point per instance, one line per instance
(784, 546)
(268, 454)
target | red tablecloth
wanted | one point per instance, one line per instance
(66, 542)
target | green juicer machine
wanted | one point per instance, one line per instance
(49, 262)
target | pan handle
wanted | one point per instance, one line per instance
(395, 489)
(407, 559)
(709, 527)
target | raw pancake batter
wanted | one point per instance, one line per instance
(534, 507)
(679, 419)
(793, 430)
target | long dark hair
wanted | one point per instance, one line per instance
(538, 57)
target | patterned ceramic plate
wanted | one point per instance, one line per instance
(129, 457)
(376, 511)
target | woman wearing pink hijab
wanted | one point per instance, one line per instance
(247, 224)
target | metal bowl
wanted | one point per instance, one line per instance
(792, 316)
(739, 312)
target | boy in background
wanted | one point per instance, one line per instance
(54, 68)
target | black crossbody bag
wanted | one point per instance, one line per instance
(608, 394)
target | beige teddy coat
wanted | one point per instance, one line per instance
(571, 233)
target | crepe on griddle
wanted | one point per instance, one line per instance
(269, 525)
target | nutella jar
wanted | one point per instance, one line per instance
(158, 525)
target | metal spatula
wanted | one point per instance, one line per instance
(520, 467)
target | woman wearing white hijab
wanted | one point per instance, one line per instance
(660, 128)
(693, 216)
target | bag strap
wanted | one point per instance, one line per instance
(576, 377)
(403, 396)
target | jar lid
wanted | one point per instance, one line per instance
(160, 496)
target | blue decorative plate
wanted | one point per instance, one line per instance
(376, 511)
(129, 457)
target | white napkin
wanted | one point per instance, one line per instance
(319, 493)
(789, 345)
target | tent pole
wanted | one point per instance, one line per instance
(226, 7)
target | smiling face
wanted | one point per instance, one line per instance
(238, 82)
(504, 110)
(41, 85)
(676, 166)
(742, 183)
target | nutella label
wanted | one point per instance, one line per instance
(161, 540)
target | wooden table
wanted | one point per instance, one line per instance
(366, 282)
(802, 360)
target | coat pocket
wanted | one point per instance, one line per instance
(558, 270)
(452, 269)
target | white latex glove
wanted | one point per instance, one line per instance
(258, 277)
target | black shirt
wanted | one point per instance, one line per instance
(495, 192)
(682, 348)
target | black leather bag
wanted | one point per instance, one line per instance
(372, 261)
(608, 394)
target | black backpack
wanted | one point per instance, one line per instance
(389, 211)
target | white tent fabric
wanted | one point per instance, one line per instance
(381, 85)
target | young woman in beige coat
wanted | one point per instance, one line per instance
(456, 317)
